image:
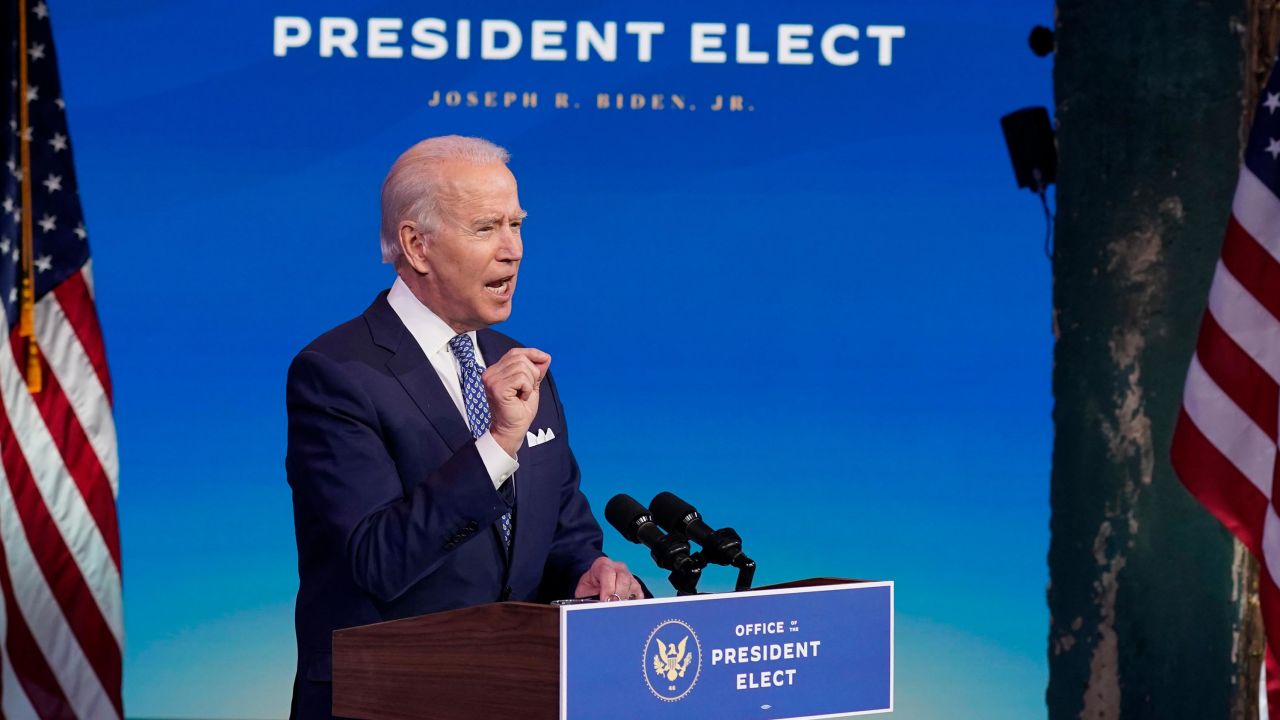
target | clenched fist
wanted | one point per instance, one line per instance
(512, 385)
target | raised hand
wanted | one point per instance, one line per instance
(512, 385)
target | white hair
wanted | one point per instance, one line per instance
(411, 190)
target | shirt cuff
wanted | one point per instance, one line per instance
(496, 460)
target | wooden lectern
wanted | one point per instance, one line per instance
(491, 661)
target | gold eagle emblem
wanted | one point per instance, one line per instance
(671, 660)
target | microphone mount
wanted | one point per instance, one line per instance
(719, 547)
(670, 551)
(684, 578)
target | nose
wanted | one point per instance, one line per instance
(510, 247)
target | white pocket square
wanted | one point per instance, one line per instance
(543, 435)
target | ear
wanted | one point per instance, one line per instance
(413, 246)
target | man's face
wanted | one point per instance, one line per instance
(472, 259)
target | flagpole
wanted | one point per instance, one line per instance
(27, 308)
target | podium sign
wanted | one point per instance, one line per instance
(810, 652)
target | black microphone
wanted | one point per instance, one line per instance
(633, 521)
(721, 547)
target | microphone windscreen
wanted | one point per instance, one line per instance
(622, 512)
(670, 511)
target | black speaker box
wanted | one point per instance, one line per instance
(1029, 135)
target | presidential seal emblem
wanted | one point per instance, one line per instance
(672, 660)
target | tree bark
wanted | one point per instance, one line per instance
(1153, 603)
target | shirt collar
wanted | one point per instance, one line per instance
(432, 333)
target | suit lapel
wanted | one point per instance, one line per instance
(418, 377)
(416, 374)
(492, 346)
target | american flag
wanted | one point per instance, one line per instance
(61, 623)
(1225, 441)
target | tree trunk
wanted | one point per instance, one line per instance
(1153, 604)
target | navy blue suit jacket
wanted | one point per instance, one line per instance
(393, 508)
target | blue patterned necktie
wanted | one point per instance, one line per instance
(476, 402)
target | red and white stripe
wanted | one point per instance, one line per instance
(1225, 441)
(61, 620)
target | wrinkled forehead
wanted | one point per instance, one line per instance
(467, 187)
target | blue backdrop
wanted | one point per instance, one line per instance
(824, 319)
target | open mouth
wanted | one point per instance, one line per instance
(500, 287)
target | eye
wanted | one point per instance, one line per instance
(515, 225)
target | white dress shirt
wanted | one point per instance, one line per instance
(433, 336)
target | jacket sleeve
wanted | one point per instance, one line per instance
(578, 540)
(345, 481)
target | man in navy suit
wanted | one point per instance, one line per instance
(428, 455)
